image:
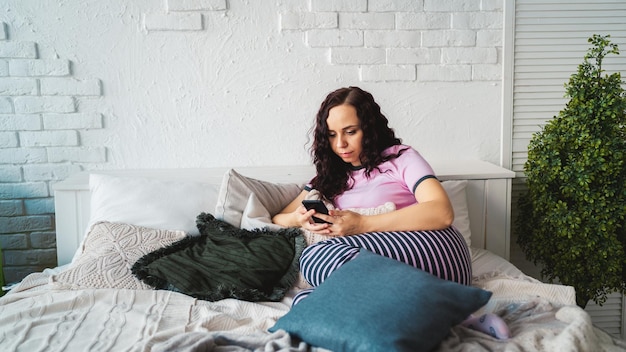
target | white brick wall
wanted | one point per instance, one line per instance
(23, 190)
(18, 86)
(414, 56)
(48, 138)
(3, 31)
(8, 140)
(393, 39)
(339, 5)
(182, 15)
(373, 73)
(87, 120)
(395, 5)
(453, 40)
(4, 68)
(449, 38)
(451, 5)
(358, 56)
(444, 73)
(40, 126)
(77, 154)
(16, 50)
(10, 174)
(19, 122)
(6, 107)
(69, 86)
(308, 20)
(196, 5)
(45, 172)
(173, 21)
(421, 20)
(39, 104)
(22, 156)
(334, 38)
(369, 20)
(30, 67)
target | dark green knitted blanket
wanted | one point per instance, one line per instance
(226, 262)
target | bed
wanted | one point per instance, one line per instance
(108, 221)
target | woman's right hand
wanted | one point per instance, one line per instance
(296, 215)
(304, 218)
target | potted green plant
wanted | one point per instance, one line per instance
(571, 218)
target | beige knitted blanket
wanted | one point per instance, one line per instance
(40, 315)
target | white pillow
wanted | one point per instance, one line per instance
(235, 192)
(458, 198)
(147, 202)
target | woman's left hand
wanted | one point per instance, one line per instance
(345, 223)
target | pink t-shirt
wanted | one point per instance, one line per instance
(395, 182)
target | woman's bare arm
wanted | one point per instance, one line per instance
(432, 212)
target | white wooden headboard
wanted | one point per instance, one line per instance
(488, 194)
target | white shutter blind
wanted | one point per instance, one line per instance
(550, 41)
(610, 316)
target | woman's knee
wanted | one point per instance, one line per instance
(319, 260)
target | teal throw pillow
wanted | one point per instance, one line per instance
(374, 303)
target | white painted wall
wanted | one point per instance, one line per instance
(239, 85)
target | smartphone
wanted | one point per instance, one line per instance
(319, 207)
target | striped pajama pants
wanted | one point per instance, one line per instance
(442, 253)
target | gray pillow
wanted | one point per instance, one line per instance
(236, 190)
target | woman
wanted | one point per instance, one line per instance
(361, 164)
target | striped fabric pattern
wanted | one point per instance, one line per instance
(442, 253)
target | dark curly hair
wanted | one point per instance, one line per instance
(333, 173)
